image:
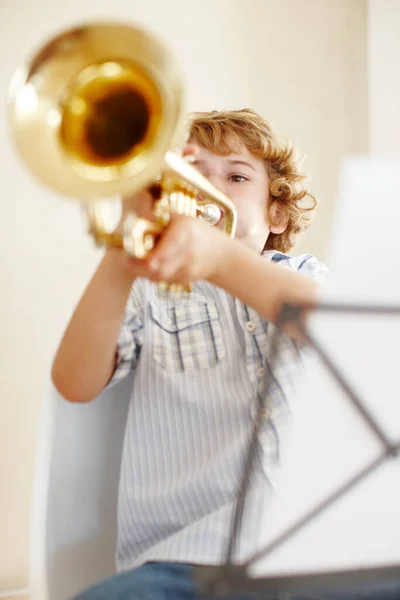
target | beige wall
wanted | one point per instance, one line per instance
(383, 76)
(301, 63)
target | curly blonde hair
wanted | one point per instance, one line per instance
(220, 131)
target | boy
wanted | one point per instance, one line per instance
(201, 361)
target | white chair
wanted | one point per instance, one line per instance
(74, 504)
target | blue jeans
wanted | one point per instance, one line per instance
(174, 581)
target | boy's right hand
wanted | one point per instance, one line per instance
(142, 205)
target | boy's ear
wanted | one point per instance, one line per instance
(278, 217)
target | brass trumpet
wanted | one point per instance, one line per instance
(97, 113)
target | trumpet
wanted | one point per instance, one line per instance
(95, 114)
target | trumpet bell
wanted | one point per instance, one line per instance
(96, 109)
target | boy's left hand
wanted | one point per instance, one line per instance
(188, 250)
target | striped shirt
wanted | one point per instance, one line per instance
(201, 364)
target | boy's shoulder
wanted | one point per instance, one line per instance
(307, 264)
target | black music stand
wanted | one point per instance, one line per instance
(231, 578)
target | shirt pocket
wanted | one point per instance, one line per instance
(186, 336)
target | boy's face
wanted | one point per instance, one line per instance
(243, 178)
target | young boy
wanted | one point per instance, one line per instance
(201, 361)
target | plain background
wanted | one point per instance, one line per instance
(319, 70)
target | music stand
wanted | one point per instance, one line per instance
(364, 182)
(228, 578)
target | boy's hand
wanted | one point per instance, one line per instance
(142, 205)
(188, 250)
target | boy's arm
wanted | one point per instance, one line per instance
(86, 357)
(192, 250)
(261, 283)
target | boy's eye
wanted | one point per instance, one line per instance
(238, 178)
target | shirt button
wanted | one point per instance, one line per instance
(264, 413)
(261, 372)
(250, 326)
